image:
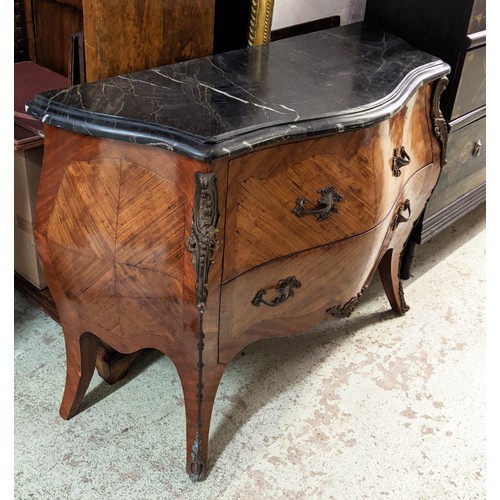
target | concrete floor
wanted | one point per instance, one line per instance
(374, 406)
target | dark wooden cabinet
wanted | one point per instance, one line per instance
(119, 36)
(455, 31)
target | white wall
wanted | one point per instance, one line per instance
(290, 12)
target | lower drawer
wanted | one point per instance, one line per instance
(466, 166)
(313, 281)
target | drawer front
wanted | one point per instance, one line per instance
(298, 196)
(290, 295)
(478, 17)
(317, 279)
(471, 91)
(466, 166)
(408, 130)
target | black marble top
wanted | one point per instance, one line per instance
(324, 82)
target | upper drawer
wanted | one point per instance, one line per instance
(302, 195)
(478, 17)
(271, 192)
(471, 92)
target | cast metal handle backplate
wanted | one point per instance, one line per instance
(400, 159)
(284, 291)
(325, 204)
(404, 207)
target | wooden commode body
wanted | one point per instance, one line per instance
(199, 207)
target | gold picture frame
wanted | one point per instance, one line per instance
(259, 26)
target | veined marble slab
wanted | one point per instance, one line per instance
(324, 82)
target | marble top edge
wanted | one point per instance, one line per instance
(239, 117)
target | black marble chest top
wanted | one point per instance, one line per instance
(324, 82)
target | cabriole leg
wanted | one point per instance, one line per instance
(389, 274)
(199, 400)
(81, 351)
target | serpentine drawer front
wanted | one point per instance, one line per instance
(198, 207)
(326, 283)
(298, 196)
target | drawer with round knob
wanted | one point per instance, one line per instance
(465, 169)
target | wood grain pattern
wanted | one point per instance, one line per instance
(123, 37)
(328, 275)
(412, 129)
(417, 192)
(261, 222)
(54, 22)
(112, 225)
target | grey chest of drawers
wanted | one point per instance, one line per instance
(455, 31)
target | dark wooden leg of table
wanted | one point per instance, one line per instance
(81, 350)
(389, 275)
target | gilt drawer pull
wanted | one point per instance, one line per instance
(399, 160)
(326, 204)
(405, 207)
(284, 291)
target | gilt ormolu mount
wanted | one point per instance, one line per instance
(202, 244)
(174, 227)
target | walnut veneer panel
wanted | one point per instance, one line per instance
(261, 223)
(121, 267)
(115, 223)
(125, 36)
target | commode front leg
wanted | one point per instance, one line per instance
(389, 275)
(199, 396)
(81, 352)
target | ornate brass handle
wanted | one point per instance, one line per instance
(399, 160)
(326, 204)
(284, 291)
(405, 207)
(477, 148)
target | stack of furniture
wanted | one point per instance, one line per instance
(455, 31)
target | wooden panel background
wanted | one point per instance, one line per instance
(132, 35)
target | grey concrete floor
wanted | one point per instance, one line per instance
(374, 406)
